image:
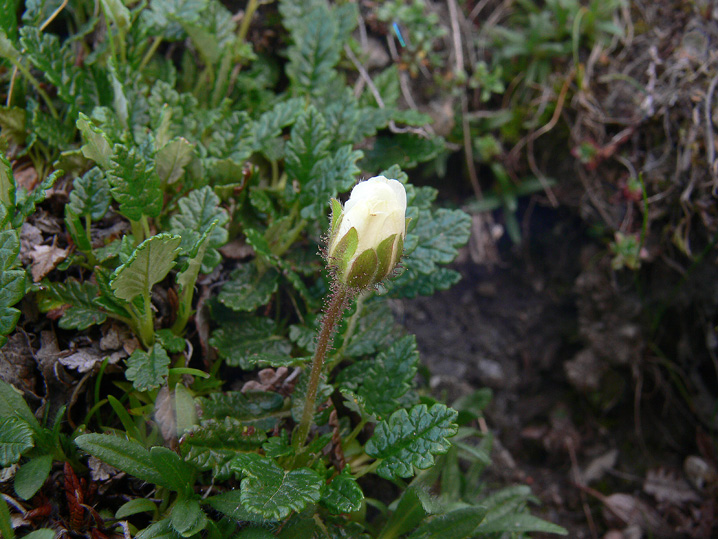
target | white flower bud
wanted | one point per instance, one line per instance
(367, 235)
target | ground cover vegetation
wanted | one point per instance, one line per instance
(166, 182)
(166, 178)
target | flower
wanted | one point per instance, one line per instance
(367, 235)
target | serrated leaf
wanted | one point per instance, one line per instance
(198, 211)
(374, 331)
(174, 344)
(406, 150)
(213, 444)
(172, 158)
(251, 406)
(307, 147)
(230, 503)
(409, 440)
(270, 124)
(15, 439)
(248, 289)
(389, 377)
(247, 341)
(165, 16)
(126, 455)
(273, 492)
(315, 52)
(232, 138)
(13, 121)
(83, 311)
(12, 290)
(334, 174)
(434, 240)
(90, 195)
(135, 185)
(97, 145)
(149, 264)
(343, 494)
(56, 62)
(26, 202)
(6, 529)
(148, 370)
(8, 188)
(32, 475)
(9, 248)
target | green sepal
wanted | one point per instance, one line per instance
(363, 271)
(337, 214)
(343, 250)
(385, 256)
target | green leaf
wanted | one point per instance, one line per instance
(176, 472)
(90, 194)
(332, 175)
(135, 506)
(519, 523)
(273, 492)
(174, 344)
(248, 289)
(213, 444)
(135, 185)
(457, 524)
(13, 405)
(408, 514)
(315, 52)
(44, 533)
(15, 439)
(307, 147)
(343, 494)
(83, 311)
(434, 240)
(172, 158)
(164, 17)
(232, 138)
(198, 211)
(97, 146)
(406, 150)
(56, 62)
(253, 407)
(148, 370)
(187, 517)
(12, 290)
(270, 124)
(26, 202)
(32, 475)
(126, 455)
(247, 341)
(230, 503)
(8, 19)
(409, 440)
(9, 248)
(159, 530)
(149, 264)
(389, 377)
(6, 529)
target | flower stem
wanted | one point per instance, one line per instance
(332, 316)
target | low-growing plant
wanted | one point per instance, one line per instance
(255, 393)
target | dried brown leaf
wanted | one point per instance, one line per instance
(45, 258)
(667, 486)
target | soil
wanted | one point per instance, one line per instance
(579, 402)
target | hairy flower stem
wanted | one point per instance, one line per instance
(333, 314)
